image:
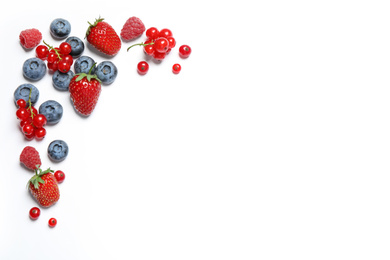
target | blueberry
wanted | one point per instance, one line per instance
(84, 64)
(61, 80)
(77, 46)
(34, 69)
(23, 92)
(60, 28)
(106, 71)
(58, 150)
(52, 110)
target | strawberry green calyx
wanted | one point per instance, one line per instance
(89, 76)
(93, 25)
(37, 178)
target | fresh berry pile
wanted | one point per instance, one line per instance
(83, 84)
(57, 58)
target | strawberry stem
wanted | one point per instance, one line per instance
(140, 44)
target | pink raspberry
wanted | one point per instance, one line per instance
(132, 29)
(30, 38)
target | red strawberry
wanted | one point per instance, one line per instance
(103, 37)
(30, 158)
(44, 188)
(84, 92)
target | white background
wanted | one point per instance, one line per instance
(272, 143)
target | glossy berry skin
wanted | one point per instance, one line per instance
(152, 33)
(22, 114)
(60, 176)
(40, 133)
(52, 222)
(21, 103)
(28, 130)
(44, 188)
(184, 51)
(165, 33)
(84, 92)
(34, 213)
(39, 120)
(103, 37)
(161, 45)
(58, 150)
(176, 68)
(65, 48)
(41, 52)
(77, 46)
(52, 110)
(107, 72)
(142, 67)
(34, 69)
(63, 66)
(60, 28)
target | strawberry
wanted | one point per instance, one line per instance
(44, 188)
(84, 92)
(30, 158)
(103, 37)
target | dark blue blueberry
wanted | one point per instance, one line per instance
(52, 110)
(58, 150)
(84, 64)
(77, 46)
(60, 28)
(34, 69)
(23, 92)
(61, 80)
(106, 71)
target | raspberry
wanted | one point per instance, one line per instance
(132, 29)
(30, 38)
(30, 158)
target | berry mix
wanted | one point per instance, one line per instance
(83, 84)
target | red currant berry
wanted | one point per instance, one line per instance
(60, 176)
(22, 114)
(176, 68)
(63, 66)
(68, 58)
(41, 52)
(40, 133)
(65, 48)
(165, 33)
(142, 67)
(28, 130)
(161, 45)
(27, 121)
(149, 49)
(34, 213)
(152, 33)
(51, 57)
(53, 66)
(39, 120)
(52, 222)
(184, 51)
(21, 103)
(159, 55)
(171, 41)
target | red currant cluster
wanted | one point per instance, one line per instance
(31, 123)
(58, 58)
(158, 43)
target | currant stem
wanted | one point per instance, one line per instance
(140, 44)
(52, 48)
